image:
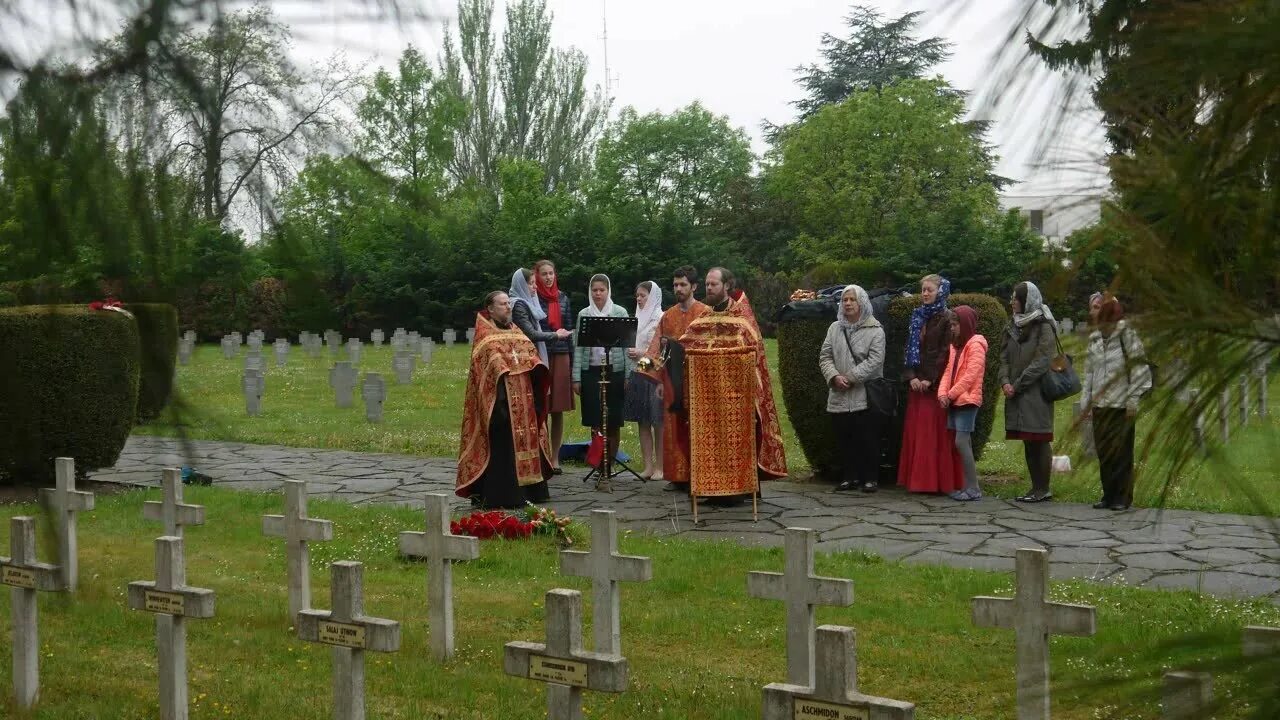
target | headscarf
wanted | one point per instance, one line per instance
(648, 316)
(520, 292)
(864, 303)
(967, 317)
(918, 318)
(1034, 309)
(552, 297)
(597, 353)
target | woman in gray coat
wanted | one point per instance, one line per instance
(1029, 344)
(852, 354)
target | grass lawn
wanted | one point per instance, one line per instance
(698, 646)
(424, 418)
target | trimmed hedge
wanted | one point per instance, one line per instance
(68, 388)
(805, 394)
(158, 335)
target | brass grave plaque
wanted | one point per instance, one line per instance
(564, 672)
(815, 710)
(342, 634)
(163, 602)
(17, 577)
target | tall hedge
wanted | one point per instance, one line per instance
(805, 393)
(68, 387)
(158, 335)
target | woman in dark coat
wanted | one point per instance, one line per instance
(1029, 347)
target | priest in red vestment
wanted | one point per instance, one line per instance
(504, 459)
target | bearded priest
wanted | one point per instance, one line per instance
(504, 460)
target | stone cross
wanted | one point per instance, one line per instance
(1260, 641)
(427, 347)
(376, 337)
(253, 384)
(255, 343)
(606, 568)
(185, 349)
(25, 576)
(64, 501)
(800, 590)
(334, 339)
(229, 347)
(237, 338)
(1033, 619)
(189, 336)
(1068, 325)
(450, 337)
(562, 663)
(253, 360)
(342, 378)
(471, 334)
(173, 601)
(353, 350)
(350, 632)
(374, 392)
(835, 692)
(171, 511)
(297, 530)
(403, 366)
(1186, 696)
(414, 337)
(315, 346)
(282, 352)
(440, 548)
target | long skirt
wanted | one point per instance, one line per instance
(591, 398)
(929, 462)
(642, 404)
(561, 383)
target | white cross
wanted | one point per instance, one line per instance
(64, 501)
(173, 602)
(439, 547)
(171, 511)
(561, 662)
(1033, 618)
(350, 632)
(297, 530)
(835, 693)
(801, 590)
(21, 572)
(1260, 641)
(606, 568)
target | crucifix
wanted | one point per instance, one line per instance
(562, 663)
(801, 591)
(1033, 618)
(297, 530)
(26, 577)
(171, 511)
(350, 633)
(440, 548)
(606, 568)
(835, 692)
(64, 501)
(173, 601)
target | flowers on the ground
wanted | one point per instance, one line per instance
(531, 521)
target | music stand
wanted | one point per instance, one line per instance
(607, 333)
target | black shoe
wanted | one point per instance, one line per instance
(870, 487)
(1101, 505)
(1033, 497)
(845, 486)
(557, 471)
(676, 487)
(1118, 507)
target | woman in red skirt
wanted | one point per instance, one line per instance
(928, 461)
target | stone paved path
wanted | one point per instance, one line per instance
(1235, 555)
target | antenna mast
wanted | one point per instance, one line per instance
(604, 21)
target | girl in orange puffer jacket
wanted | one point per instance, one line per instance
(960, 391)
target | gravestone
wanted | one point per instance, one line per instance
(342, 378)
(801, 591)
(376, 337)
(1186, 696)
(414, 337)
(297, 530)
(228, 347)
(64, 502)
(441, 549)
(253, 361)
(353, 350)
(253, 383)
(189, 336)
(26, 577)
(172, 601)
(374, 392)
(254, 343)
(606, 568)
(315, 346)
(450, 337)
(303, 337)
(350, 633)
(427, 347)
(239, 339)
(1033, 619)
(834, 693)
(184, 352)
(334, 340)
(282, 352)
(402, 364)
(1068, 326)
(171, 511)
(471, 334)
(561, 662)
(1260, 641)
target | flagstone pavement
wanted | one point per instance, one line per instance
(1228, 555)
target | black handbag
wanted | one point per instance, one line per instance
(882, 397)
(1061, 381)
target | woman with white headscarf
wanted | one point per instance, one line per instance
(1029, 347)
(851, 355)
(588, 365)
(642, 405)
(527, 313)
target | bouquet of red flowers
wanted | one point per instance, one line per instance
(487, 524)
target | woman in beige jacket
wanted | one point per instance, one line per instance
(852, 354)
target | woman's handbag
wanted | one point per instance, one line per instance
(881, 395)
(1061, 381)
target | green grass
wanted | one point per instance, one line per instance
(698, 646)
(424, 418)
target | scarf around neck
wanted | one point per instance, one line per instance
(919, 317)
(551, 295)
(1034, 309)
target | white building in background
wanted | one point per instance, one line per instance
(1055, 217)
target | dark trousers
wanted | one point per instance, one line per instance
(1113, 436)
(1039, 457)
(858, 436)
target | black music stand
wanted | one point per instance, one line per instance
(607, 333)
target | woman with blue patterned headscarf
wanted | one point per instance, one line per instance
(928, 461)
